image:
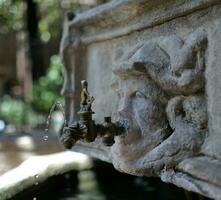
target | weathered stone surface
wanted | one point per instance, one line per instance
(156, 65)
(189, 183)
(203, 168)
(213, 88)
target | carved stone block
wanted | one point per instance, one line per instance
(156, 66)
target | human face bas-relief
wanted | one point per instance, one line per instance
(142, 105)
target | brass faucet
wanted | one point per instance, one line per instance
(85, 129)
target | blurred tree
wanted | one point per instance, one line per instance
(41, 21)
(35, 46)
(11, 15)
(43, 16)
(18, 113)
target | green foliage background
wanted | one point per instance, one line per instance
(46, 90)
(50, 14)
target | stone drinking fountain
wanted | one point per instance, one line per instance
(155, 65)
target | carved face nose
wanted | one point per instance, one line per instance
(124, 107)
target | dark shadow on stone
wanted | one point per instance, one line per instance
(113, 185)
(120, 186)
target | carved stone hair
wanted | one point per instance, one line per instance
(175, 65)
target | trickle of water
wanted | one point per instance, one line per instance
(56, 105)
(36, 177)
(45, 137)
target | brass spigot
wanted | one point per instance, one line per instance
(85, 129)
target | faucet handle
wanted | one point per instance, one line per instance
(86, 98)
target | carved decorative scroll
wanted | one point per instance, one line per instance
(161, 90)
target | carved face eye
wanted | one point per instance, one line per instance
(140, 94)
(119, 93)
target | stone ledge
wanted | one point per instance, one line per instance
(42, 167)
(183, 180)
(94, 150)
(125, 17)
(203, 168)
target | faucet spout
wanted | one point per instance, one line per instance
(71, 134)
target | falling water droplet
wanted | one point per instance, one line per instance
(45, 138)
(34, 198)
(36, 176)
(53, 108)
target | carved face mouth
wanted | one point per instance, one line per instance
(126, 116)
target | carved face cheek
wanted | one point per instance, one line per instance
(125, 111)
(143, 112)
(125, 108)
